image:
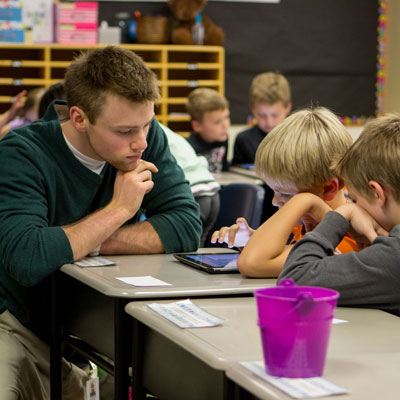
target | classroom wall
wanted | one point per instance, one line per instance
(392, 87)
(326, 49)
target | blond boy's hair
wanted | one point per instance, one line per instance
(204, 100)
(374, 156)
(299, 151)
(269, 88)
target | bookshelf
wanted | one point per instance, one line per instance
(179, 69)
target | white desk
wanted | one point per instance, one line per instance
(243, 171)
(91, 303)
(227, 177)
(191, 363)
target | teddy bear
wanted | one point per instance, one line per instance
(184, 13)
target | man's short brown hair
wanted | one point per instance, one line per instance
(110, 70)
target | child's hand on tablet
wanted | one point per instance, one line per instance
(236, 235)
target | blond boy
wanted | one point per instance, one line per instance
(371, 173)
(209, 112)
(294, 158)
(270, 102)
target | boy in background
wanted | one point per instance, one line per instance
(13, 112)
(209, 112)
(371, 277)
(203, 185)
(21, 113)
(294, 157)
(270, 102)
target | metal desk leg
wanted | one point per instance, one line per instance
(122, 348)
(137, 361)
(229, 389)
(55, 341)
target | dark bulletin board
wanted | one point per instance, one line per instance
(326, 48)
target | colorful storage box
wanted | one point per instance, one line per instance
(78, 12)
(77, 22)
(77, 33)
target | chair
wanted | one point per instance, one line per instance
(239, 200)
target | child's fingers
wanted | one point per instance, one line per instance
(232, 234)
(223, 234)
(227, 234)
(242, 221)
(380, 231)
(19, 96)
(214, 236)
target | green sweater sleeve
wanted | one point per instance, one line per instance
(170, 206)
(30, 248)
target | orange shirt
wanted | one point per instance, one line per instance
(345, 246)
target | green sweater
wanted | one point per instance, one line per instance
(43, 187)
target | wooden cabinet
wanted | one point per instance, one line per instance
(180, 69)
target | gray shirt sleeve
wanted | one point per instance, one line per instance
(369, 278)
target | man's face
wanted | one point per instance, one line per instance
(119, 133)
(269, 115)
(214, 126)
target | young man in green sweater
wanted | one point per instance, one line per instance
(73, 182)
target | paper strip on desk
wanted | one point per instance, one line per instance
(338, 321)
(185, 314)
(306, 388)
(143, 281)
(94, 262)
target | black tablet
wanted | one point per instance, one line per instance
(213, 263)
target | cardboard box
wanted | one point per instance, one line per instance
(38, 17)
(11, 14)
(78, 12)
(11, 26)
(12, 32)
(77, 33)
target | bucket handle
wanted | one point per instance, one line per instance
(304, 305)
(287, 282)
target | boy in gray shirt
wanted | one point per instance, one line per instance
(371, 277)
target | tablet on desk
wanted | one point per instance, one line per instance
(245, 166)
(213, 263)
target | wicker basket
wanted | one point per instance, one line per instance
(152, 29)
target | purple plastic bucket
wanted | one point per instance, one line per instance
(295, 324)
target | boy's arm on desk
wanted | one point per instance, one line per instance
(266, 251)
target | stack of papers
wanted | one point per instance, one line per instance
(185, 314)
(305, 388)
(94, 262)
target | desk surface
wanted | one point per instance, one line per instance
(250, 172)
(185, 280)
(366, 376)
(227, 177)
(238, 339)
